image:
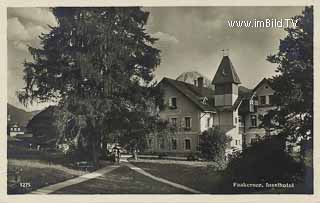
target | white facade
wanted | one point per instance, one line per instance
(263, 94)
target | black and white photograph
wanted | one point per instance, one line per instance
(160, 100)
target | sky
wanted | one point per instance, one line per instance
(190, 39)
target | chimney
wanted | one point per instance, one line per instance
(200, 82)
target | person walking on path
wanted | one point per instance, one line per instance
(116, 154)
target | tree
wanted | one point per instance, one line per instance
(266, 162)
(213, 144)
(294, 83)
(98, 64)
(43, 127)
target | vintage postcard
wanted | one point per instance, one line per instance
(192, 100)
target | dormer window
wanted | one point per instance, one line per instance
(204, 100)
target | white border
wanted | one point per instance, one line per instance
(154, 198)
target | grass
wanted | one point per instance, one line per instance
(193, 176)
(36, 174)
(37, 168)
(121, 181)
(206, 180)
(171, 161)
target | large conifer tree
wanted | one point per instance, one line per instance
(98, 63)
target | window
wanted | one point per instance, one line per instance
(150, 142)
(253, 121)
(174, 144)
(187, 122)
(173, 103)
(208, 122)
(262, 100)
(204, 100)
(174, 122)
(236, 120)
(187, 144)
(237, 142)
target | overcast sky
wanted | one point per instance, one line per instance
(191, 38)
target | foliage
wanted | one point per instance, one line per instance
(294, 84)
(43, 126)
(216, 166)
(98, 64)
(194, 156)
(267, 161)
(213, 144)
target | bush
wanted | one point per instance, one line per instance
(217, 166)
(193, 156)
(213, 144)
(265, 161)
(162, 155)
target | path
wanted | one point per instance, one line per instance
(51, 188)
(176, 185)
(108, 169)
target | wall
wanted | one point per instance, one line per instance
(226, 94)
(264, 90)
(185, 108)
(254, 132)
(203, 121)
(226, 121)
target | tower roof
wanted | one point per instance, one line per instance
(226, 73)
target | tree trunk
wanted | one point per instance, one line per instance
(95, 154)
(104, 145)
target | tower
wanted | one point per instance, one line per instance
(226, 83)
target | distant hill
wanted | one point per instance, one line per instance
(20, 116)
(190, 77)
(244, 89)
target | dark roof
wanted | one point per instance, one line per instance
(226, 73)
(193, 93)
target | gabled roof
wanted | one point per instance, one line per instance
(192, 92)
(195, 94)
(264, 80)
(226, 73)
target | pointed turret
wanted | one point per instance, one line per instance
(226, 73)
(226, 82)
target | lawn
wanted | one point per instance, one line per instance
(206, 180)
(195, 176)
(33, 175)
(121, 181)
(36, 168)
